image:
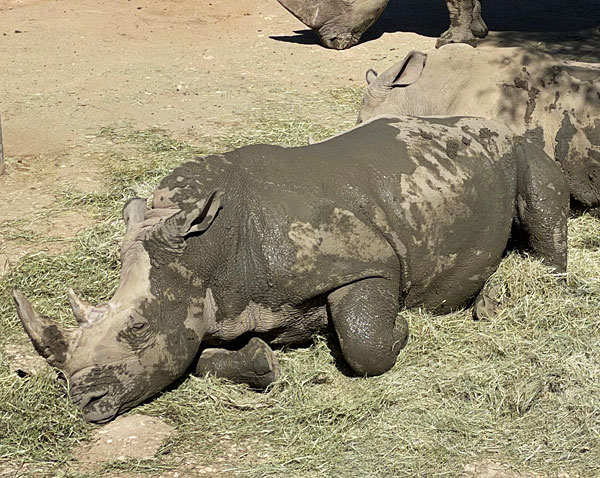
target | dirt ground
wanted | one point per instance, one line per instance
(71, 67)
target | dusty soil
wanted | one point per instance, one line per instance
(71, 67)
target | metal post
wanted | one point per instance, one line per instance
(1, 149)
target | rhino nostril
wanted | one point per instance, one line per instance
(88, 402)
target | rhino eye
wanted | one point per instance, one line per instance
(138, 324)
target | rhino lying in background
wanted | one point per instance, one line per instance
(339, 24)
(556, 102)
(278, 243)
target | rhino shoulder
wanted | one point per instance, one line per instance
(188, 180)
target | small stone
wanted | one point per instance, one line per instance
(4, 264)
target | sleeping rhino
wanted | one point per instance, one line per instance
(339, 24)
(277, 244)
(556, 102)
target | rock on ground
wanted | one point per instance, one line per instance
(132, 436)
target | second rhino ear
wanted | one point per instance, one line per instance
(134, 211)
(370, 76)
(403, 73)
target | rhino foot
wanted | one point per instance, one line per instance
(488, 304)
(453, 35)
(255, 364)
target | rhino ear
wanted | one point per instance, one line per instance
(208, 211)
(404, 73)
(134, 211)
(190, 221)
(370, 76)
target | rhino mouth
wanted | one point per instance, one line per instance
(101, 392)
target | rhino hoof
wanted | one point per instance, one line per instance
(264, 363)
(255, 364)
(487, 305)
(479, 29)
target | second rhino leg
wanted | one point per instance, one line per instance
(478, 26)
(366, 321)
(461, 18)
(542, 207)
(255, 364)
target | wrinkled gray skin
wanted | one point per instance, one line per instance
(339, 24)
(554, 102)
(280, 243)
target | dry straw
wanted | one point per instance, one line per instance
(523, 388)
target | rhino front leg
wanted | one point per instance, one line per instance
(366, 321)
(255, 364)
(478, 26)
(461, 19)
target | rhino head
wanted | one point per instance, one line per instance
(147, 335)
(339, 24)
(380, 88)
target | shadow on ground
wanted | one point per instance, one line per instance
(301, 37)
(430, 17)
(581, 46)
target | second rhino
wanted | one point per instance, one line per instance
(556, 103)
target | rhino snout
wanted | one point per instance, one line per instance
(341, 41)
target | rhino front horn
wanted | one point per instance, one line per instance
(49, 340)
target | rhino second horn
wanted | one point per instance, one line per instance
(80, 307)
(49, 340)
